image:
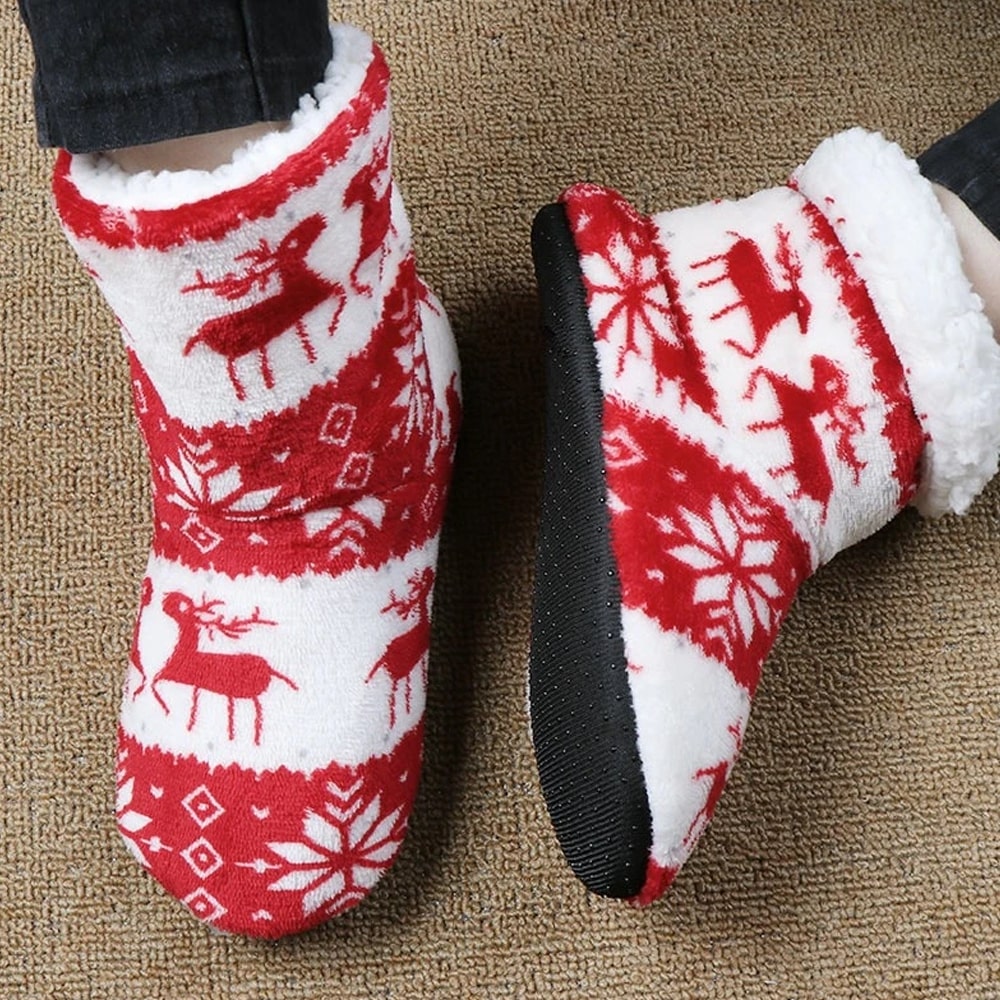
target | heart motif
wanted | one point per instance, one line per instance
(261, 812)
(156, 792)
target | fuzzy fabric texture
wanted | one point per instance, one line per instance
(108, 185)
(297, 389)
(781, 375)
(903, 247)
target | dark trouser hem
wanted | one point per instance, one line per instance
(967, 163)
(117, 73)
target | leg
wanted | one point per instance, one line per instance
(255, 259)
(980, 252)
(963, 167)
(123, 74)
(205, 151)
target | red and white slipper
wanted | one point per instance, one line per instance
(736, 392)
(297, 388)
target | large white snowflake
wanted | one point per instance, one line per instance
(629, 304)
(732, 551)
(341, 856)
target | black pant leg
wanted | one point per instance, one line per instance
(967, 163)
(116, 73)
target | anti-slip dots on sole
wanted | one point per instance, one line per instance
(582, 718)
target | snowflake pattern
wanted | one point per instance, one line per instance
(132, 821)
(628, 301)
(731, 549)
(343, 853)
(199, 483)
(265, 853)
(700, 548)
(634, 297)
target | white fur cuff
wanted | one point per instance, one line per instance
(904, 249)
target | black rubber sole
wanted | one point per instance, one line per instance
(582, 717)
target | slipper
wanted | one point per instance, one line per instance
(736, 392)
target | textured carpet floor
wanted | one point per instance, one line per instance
(857, 852)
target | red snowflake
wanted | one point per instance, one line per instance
(629, 304)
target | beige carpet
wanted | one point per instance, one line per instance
(857, 852)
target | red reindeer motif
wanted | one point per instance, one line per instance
(798, 410)
(408, 651)
(413, 372)
(717, 776)
(767, 305)
(234, 676)
(680, 357)
(300, 290)
(135, 657)
(371, 188)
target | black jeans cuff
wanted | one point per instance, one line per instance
(967, 163)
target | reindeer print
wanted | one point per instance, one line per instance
(407, 652)
(234, 676)
(371, 188)
(799, 410)
(135, 656)
(767, 304)
(253, 328)
(717, 776)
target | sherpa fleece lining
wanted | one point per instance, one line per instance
(904, 248)
(105, 183)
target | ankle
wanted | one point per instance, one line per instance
(980, 253)
(194, 152)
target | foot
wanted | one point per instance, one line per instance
(296, 385)
(736, 392)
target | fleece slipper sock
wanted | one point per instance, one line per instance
(296, 385)
(736, 392)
